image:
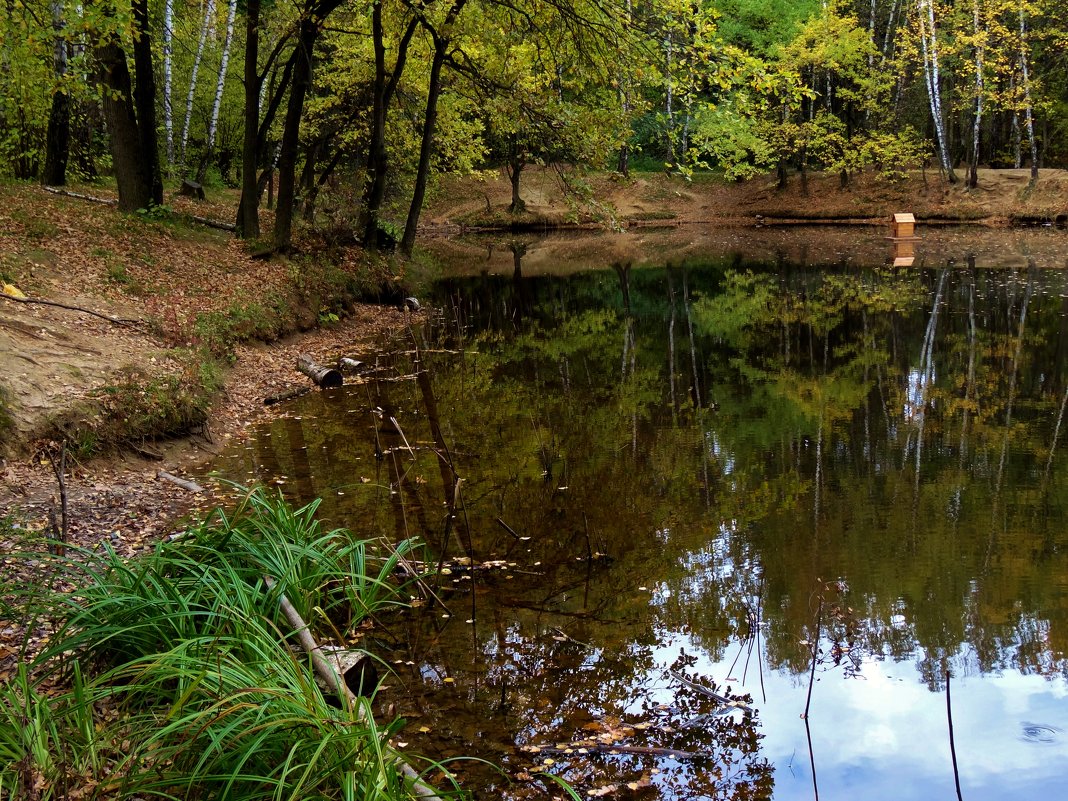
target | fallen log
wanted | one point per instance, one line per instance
(190, 486)
(289, 394)
(210, 223)
(330, 675)
(345, 363)
(103, 200)
(324, 377)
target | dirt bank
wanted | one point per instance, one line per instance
(1001, 198)
(165, 389)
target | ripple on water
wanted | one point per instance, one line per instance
(1040, 733)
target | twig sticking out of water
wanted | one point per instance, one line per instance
(952, 744)
(59, 528)
(330, 675)
(815, 657)
(808, 700)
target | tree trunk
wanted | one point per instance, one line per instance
(1028, 115)
(168, 82)
(430, 122)
(669, 92)
(248, 216)
(144, 95)
(57, 142)
(425, 148)
(135, 189)
(287, 153)
(255, 141)
(209, 13)
(313, 190)
(213, 124)
(973, 170)
(933, 79)
(378, 158)
(515, 167)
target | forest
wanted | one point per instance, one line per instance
(355, 108)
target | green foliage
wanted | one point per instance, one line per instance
(6, 421)
(191, 661)
(220, 331)
(137, 407)
(156, 213)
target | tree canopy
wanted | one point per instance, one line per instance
(371, 100)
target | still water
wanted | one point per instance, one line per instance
(681, 498)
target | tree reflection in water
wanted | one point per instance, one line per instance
(687, 454)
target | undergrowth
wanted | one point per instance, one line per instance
(171, 675)
(138, 407)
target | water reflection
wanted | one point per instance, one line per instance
(654, 483)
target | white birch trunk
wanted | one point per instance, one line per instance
(209, 14)
(887, 38)
(1028, 116)
(168, 108)
(871, 35)
(221, 83)
(980, 41)
(670, 98)
(929, 41)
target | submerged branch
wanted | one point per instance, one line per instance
(333, 680)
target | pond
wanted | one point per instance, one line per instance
(684, 489)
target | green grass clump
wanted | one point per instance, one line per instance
(7, 422)
(195, 692)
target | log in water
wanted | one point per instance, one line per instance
(324, 377)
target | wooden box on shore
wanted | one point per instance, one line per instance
(903, 226)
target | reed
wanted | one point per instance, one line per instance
(195, 691)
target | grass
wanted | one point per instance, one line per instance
(7, 423)
(140, 407)
(191, 689)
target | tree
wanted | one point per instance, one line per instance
(57, 142)
(933, 79)
(130, 112)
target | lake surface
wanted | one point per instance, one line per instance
(684, 489)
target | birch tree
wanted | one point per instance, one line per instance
(205, 28)
(979, 33)
(933, 78)
(213, 123)
(168, 79)
(1026, 86)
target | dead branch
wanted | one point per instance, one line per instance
(42, 302)
(289, 394)
(185, 484)
(591, 747)
(722, 699)
(59, 529)
(330, 675)
(102, 200)
(210, 223)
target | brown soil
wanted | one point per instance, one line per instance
(647, 198)
(57, 364)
